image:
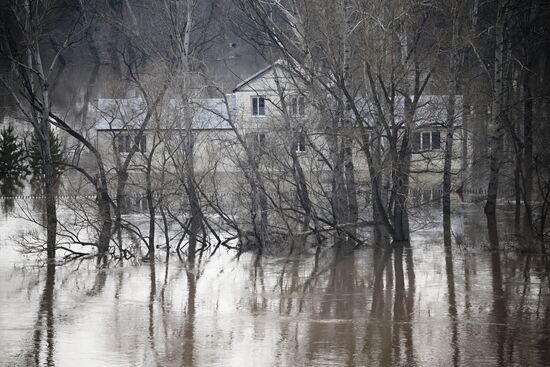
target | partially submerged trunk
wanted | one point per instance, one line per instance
(42, 131)
(192, 195)
(150, 207)
(401, 167)
(451, 117)
(121, 205)
(49, 185)
(526, 165)
(495, 132)
(104, 207)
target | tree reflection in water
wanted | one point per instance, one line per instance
(451, 299)
(43, 347)
(189, 322)
(383, 306)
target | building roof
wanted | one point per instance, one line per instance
(117, 114)
(212, 113)
(252, 77)
(129, 114)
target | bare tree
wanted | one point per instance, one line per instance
(30, 26)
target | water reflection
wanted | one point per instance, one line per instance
(189, 322)
(451, 299)
(43, 346)
(411, 306)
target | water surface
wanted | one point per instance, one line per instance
(418, 306)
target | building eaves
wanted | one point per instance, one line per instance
(124, 114)
(252, 77)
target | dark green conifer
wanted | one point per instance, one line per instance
(35, 162)
(12, 166)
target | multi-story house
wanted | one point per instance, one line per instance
(295, 123)
(278, 119)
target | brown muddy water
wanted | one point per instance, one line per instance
(419, 306)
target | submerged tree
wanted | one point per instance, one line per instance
(26, 27)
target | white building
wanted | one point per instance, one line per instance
(276, 117)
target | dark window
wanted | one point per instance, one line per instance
(141, 143)
(436, 140)
(425, 141)
(365, 137)
(143, 204)
(258, 106)
(124, 143)
(260, 138)
(301, 145)
(416, 142)
(436, 194)
(297, 106)
(427, 195)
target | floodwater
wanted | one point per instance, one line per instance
(418, 306)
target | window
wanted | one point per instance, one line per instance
(297, 106)
(301, 145)
(142, 204)
(124, 143)
(256, 139)
(426, 140)
(436, 140)
(258, 106)
(365, 136)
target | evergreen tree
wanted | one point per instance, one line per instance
(35, 162)
(12, 165)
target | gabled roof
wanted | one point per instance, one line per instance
(128, 114)
(252, 77)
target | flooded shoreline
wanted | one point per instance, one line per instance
(414, 306)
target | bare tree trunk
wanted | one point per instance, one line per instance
(451, 108)
(381, 215)
(150, 206)
(401, 169)
(495, 126)
(104, 206)
(121, 204)
(527, 158)
(50, 181)
(338, 193)
(351, 187)
(378, 197)
(42, 129)
(194, 204)
(517, 193)
(352, 209)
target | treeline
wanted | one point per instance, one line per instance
(493, 55)
(364, 69)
